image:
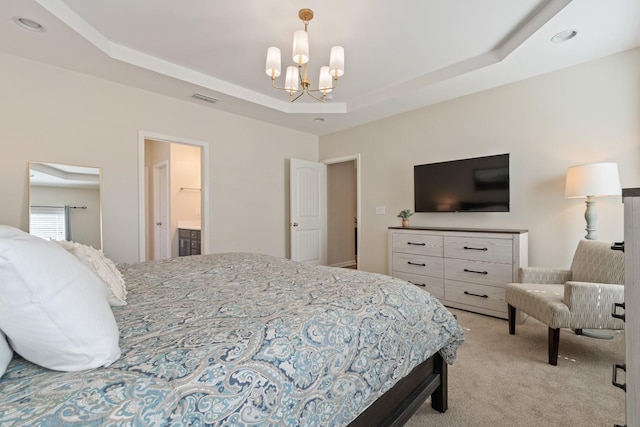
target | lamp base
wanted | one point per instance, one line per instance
(591, 216)
(601, 334)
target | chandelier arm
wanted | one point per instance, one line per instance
(273, 83)
(324, 91)
(291, 99)
(323, 99)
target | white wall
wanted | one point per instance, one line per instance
(588, 113)
(51, 114)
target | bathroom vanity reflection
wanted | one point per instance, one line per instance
(65, 202)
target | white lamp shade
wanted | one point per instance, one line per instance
(273, 62)
(596, 179)
(291, 80)
(336, 61)
(300, 47)
(326, 82)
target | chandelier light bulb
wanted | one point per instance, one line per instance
(273, 62)
(325, 85)
(336, 61)
(300, 47)
(291, 81)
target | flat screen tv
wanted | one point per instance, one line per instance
(480, 184)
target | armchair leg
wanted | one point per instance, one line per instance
(554, 343)
(512, 319)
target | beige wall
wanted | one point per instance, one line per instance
(51, 114)
(588, 113)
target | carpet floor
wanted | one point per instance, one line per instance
(504, 380)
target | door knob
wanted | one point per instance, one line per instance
(158, 223)
(295, 224)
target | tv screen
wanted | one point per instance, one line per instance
(480, 184)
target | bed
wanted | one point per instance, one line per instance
(242, 339)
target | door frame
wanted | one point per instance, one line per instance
(204, 185)
(356, 158)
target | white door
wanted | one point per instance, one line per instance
(308, 211)
(162, 241)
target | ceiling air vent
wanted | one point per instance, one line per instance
(205, 98)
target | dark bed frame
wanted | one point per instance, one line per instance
(398, 404)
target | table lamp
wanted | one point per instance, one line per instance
(591, 181)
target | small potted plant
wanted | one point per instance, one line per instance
(405, 214)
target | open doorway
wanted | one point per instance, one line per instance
(173, 194)
(342, 212)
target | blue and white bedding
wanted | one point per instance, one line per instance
(238, 340)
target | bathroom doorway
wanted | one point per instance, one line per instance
(184, 194)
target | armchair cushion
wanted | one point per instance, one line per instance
(595, 262)
(540, 301)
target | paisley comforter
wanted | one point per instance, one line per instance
(241, 340)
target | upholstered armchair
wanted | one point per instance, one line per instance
(579, 298)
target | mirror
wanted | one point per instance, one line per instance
(65, 203)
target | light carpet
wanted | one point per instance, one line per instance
(504, 380)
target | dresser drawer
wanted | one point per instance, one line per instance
(434, 285)
(474, 295)
(418, 264)
(479, 249)
(485, 273)
(423, 244)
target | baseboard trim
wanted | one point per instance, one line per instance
(344, 264)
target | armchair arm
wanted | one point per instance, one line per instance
(591, 304)
(543, 276)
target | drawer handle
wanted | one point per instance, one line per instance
(474, 271)
(614, 378)
(415, 263)
(615, 314)
(416, 244)
(475, 249)
(476, 295)
(419, 284)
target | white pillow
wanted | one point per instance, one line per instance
(103, 267)
(6, 354)
(52, 308)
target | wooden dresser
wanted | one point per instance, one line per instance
(462, 267)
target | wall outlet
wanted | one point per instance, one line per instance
(380, 210)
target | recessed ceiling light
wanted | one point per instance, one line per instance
(29, 24)
(318, 119)
(564, 36)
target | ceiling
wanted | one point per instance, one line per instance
(400, 55)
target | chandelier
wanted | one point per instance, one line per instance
(296, 80)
